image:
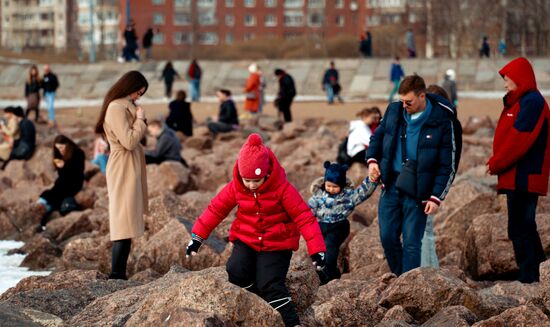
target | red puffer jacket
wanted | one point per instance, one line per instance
(271, 219)
(521, 147)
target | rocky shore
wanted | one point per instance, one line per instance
(472, 288)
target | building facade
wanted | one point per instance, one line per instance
(103, 17)
(35, 23)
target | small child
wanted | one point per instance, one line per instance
(270, 217)
(333, 200)
(101, 153)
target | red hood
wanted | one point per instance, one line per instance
(521, 72)
(276, 175)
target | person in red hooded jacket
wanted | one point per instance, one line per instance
(521, 159)
(270, 217)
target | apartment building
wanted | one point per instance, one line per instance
(103, 16)
(35, 23)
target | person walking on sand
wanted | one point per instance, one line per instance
(252, 90)
(122, 122)
(50, 84)
(32, 92)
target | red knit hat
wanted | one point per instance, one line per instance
(253, 159)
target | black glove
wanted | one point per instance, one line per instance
(319, 260)
(194, 245)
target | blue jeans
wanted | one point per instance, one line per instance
(195, 89)
(330, 92)
(101, 161)
(429, 255)
(400, 214)
(50, 98)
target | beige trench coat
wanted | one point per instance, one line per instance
(126, 173)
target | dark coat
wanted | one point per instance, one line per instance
(287, 90)
(180, 117)
(438, 144)
(69, 181)
(23, 147)
(228, 113)
(32, 87)
(148, 38)
(50, 82)
(169, 74)
(168, 146)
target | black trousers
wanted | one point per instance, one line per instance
(216, 127)
(264, 274)
(284, 107)
(168, 88)
(334, 234)
(522, 231)
(120, 253)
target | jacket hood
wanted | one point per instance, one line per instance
(318, 183)
(356, 123)
(276, 175)
(521, 72)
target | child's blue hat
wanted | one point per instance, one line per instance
(335, 173)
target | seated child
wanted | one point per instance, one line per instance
(333, 200)
(270, 217)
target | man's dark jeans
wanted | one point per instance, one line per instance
(401, 214)
(522, 231)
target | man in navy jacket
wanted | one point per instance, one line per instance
(420, 128)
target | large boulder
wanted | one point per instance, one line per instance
(13, 316)
(425, 291)
(365, 249)
(489, 253)
(525, 315)
(453, 316)
(75, 223)
(207, 293)
(168, 176)
(40, 252)
(89, 253)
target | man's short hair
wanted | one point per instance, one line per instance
(436, 89)
(226, 92)
(278, 72)
(412, 83)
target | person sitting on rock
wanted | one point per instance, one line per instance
(168, 145)
(271, 215)
(68, 160)
(334, 199)
(228, 119)
(180, 117)
(101, 153)
(23, 147)
(9, 131)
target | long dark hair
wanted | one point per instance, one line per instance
(37, 76)
(129, 83)
(69, 150)
(168, 66)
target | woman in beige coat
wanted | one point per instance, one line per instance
(122, 123)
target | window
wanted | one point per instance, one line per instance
(46, 2)
(250, 3)
(229, 38)
(270, 20)
(83, 18)
(412, 18)
(182, 19)
(339, 4)
(208, 38)
(207, 18)
(316, 3)
(229, 20)
(249, 36)
(293, 3)
(46, 16)
(158, 19)
(396, 19)
(158, 2)
(181, 38)
(206, 3)
(373, 20)
(340, 21)
(182, 3)
(249, 20)
(315, 19)
(230, 3)
(158, 38)
(271, 3)
(294, 18)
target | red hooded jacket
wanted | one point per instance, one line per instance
(521, 147)
(269, 219)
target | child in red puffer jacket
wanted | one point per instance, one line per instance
(271, 215)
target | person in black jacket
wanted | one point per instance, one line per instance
(68, 160)
(32, 92)
(287, 92)
(168, 75)
(228, 119)
(131, 45)
(414, 151)
(168, 147)
(148, 43)
(50, 84)
(180, 117)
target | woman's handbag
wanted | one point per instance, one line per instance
(406, 181)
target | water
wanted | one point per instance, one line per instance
(10, 271)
